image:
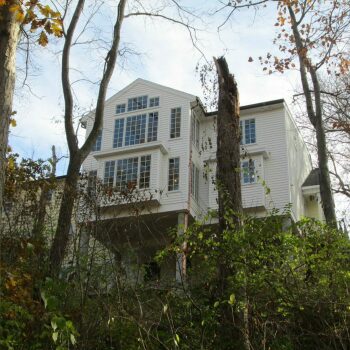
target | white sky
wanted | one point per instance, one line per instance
(166, 56)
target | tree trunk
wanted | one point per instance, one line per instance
(9, 34)
(77, 155)
(61, 238)
(315, 115)
(228, 147)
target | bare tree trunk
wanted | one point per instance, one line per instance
(78, 155)
(315, 115)
(228, 180)
(9, 34)
(228, 146)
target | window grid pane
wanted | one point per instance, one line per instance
(175, 122)
(249, 133)
(120, 108)
(145, 171)
(136, 103)
(109, 173)
(154, 102)
(97, 146)
(126, 176)
(173, 181)
(135, 132)
(118, 133)
(248, 172)
(152, 127)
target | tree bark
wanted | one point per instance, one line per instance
(9, 35)
(78, 155)
(228, 147)
(315, 115)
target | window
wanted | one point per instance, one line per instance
(152, 127)
(248, 172)
(126, 177)
(145, 171)
(174, 174)
(118, 133)
(195, 182)
(195, 131)
(154, 102)
(175, 122)
(97, 145)
(136, 103)
(129, 173)
(135, 131)
(109, 173)
(120, 108)
(248, 134)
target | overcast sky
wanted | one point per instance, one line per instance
(165, 55)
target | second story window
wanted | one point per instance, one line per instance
(92, 181)
(97, 145)
(154, 102)
(248, 132)
(135, 131)
(136, 103)
(109, 173)
(175, 122)
(174, 174)
(120, 108)
(248, 172)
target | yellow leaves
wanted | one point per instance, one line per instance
(2, 2)
(19, 16)
(344, 65)
(11, 164)
(43, 39)
(13, 122)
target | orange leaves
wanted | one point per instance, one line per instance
(43, 40)
(37, 15)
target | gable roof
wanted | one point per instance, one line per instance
(313, 178)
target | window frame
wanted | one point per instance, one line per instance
(175, 123)
(173, 177)
(243, 130)
(250, 173)
(127, 165)
(154, 102)
(120, 108)
(132, 100)
(195, 182)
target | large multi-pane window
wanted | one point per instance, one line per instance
(152, 127)
(136, 127)
(126, 176)
(174, 174)
(109, 173)
(175, 122)
(135, 131)
(97, 145)
(120, 108)
(248, 131)
(248, 172)
(145, 171)
(129, 173)
(154, 102)
(118, 133)
(136, 103)
(195, 182)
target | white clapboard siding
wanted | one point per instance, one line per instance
(299, 165)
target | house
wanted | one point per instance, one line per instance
(160, 143)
